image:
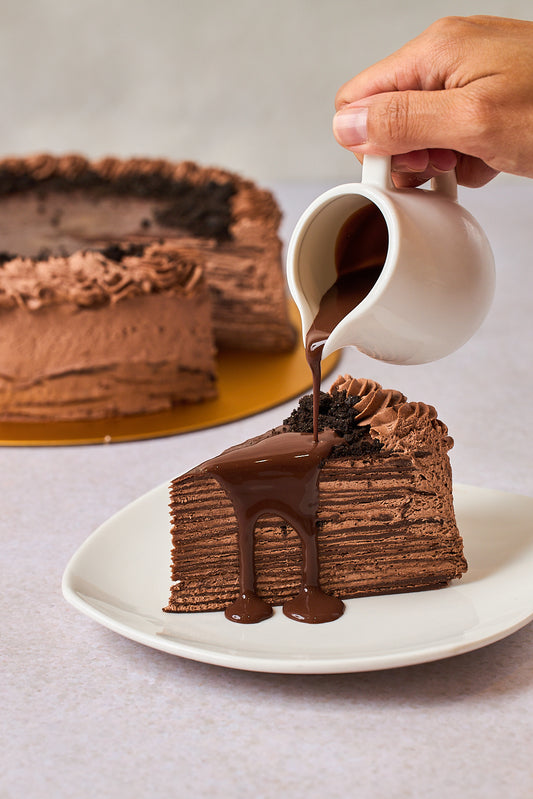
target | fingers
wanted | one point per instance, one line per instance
(409, 170)
(389, 75)
(419, 160)
(458, 93)
(415, 168)
(415, 66)
(473, 172)
(399, 122)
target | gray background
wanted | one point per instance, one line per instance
(244, 84)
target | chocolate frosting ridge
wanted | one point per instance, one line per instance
(373, 398)
(20, 174)
(409, 418)
(389, 416)
(94, 278)
(146, 177)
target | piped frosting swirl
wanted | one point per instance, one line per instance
(92, 278)
(388, 414)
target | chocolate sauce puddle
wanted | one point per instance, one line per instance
(277, 475)
(360, 253)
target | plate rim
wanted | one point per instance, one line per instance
(282, 664)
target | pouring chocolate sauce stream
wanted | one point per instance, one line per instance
(279, 474)
(360, 253)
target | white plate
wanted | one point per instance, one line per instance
(120, 577)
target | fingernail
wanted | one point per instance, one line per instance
(349, 126)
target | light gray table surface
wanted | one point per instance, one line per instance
(87, 713)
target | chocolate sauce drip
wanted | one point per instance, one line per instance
(360, 252)
(277, 475)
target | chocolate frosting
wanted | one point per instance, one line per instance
(89, 279)
(103, 202)
(66, 207)
(390, 417)
(143, 177)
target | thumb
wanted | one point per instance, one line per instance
(398, 122)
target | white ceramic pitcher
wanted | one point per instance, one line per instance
(437, 281)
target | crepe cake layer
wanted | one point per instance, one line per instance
(98, 334)
(385, 520)
(62, 205)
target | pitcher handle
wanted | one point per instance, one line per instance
(377, 172)
(446, 184)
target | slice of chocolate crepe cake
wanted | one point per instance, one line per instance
(384, 521)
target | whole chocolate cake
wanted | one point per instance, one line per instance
(284, 519)
(120, 279)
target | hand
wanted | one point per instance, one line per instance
(459, 95)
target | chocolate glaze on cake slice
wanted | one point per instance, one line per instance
(384, 517)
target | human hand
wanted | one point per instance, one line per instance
(459, 95)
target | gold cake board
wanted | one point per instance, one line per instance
(248, 382)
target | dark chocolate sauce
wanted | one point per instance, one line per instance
(360, 252)
(277, 475)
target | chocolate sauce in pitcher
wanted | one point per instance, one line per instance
(360, 252)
